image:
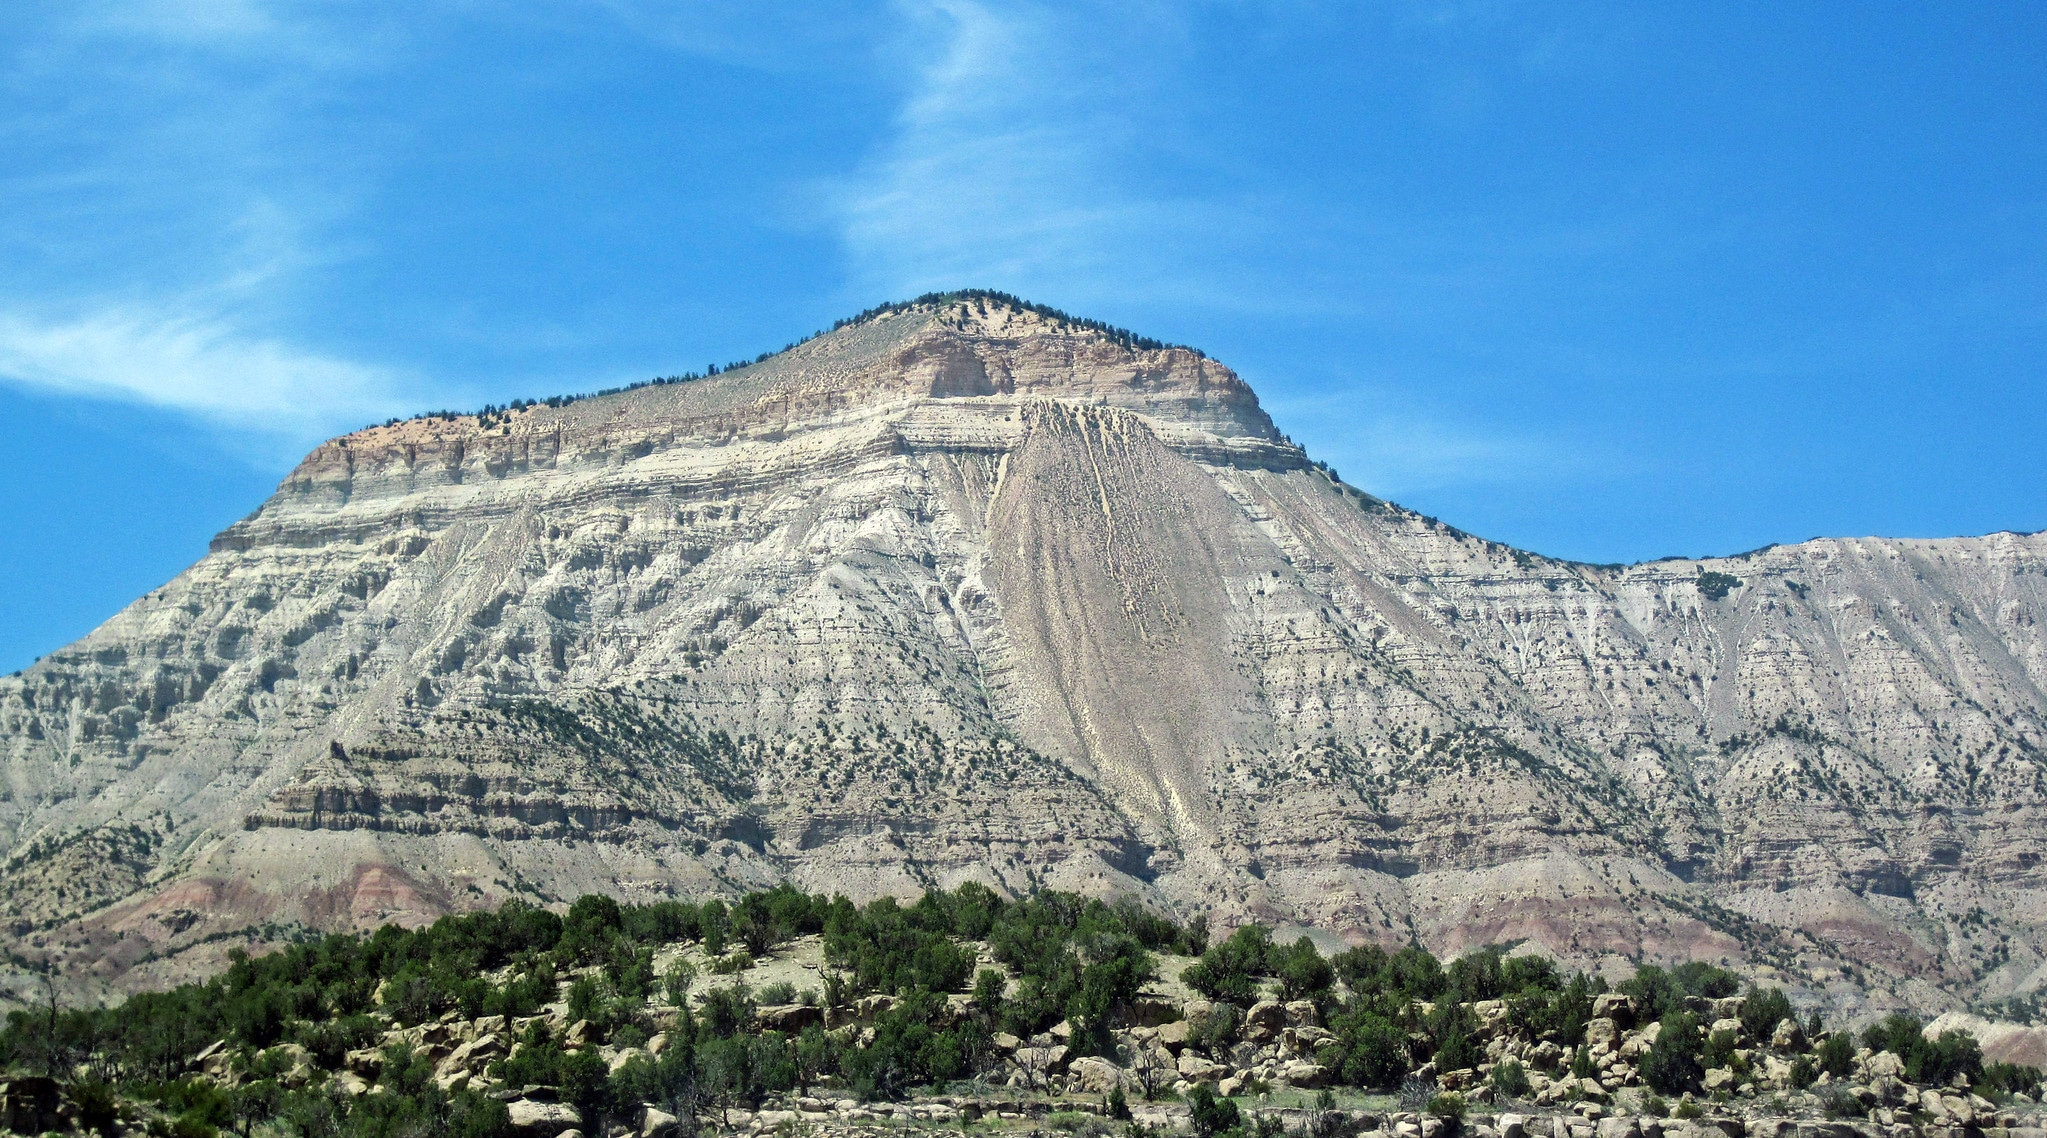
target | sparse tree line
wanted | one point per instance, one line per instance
(492, 414)
(458, 1027)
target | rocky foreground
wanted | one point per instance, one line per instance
(640, 1022)
(1270, 1064)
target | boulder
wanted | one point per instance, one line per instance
(29, 1104)
(1094, 1075)
(1173, 1036)
(1619, 1126)
(472, 1055)
(1044, 1060)
(1005, 1042)
(1788, 1036)
(1194, 1068)
(1615, 1007)
(1302, 1073)
(789, 1019)
(543, 1119)
(579, 1034)
(1303, 1040)
(1301, 1013)
(1513, 1126)
(658, 1123)
(627, 1055)
(1601, 1032)
(868, 1007)
(1263, 1022)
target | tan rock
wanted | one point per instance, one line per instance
(543, 1119)
(1263, 1022)
(1045, 1060)
(789, 1019)
(1095, 1075)
(1616, 1007)
(658, 1123)
(1302, 1073)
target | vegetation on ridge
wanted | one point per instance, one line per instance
(492, 414)
(435, 1029)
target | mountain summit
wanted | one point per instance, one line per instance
(967, 589)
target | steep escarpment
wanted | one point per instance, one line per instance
(967, 592)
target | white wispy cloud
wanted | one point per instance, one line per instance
(200, 364)
(1003, 168)
(166, 239)
(1018, 160)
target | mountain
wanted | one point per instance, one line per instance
(967, 589)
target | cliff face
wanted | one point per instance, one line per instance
(966, 592)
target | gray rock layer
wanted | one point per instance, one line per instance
(964, 592)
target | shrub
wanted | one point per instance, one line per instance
(1210, 1115)
(775, 994)
(1896, 1033)
(1303, 973)
(989, 984)
(1449, 1107)
(1581, 1064)
(1698, 978)
(331, 1040)
(1213, 1031)
(1226, 972)
(1839, 1102)
(1671, 1064)
(1836, 1054)
(732, 965)
(1720, 1048)
(1713, 586)
(1764, 1009)
(1370, 1050)
(675, 983)
(1936, 1061)
(1118, 1106)
(93, 1103)
(1999, 1081)
(1511, 1079)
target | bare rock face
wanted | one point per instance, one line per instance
(965, 592)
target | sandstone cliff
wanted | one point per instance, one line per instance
(965, 591)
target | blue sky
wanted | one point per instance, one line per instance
(1606, 281)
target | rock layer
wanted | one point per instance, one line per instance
(964, 591)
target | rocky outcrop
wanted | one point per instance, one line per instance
(967, 592)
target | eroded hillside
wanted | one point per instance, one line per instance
(966, 592)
